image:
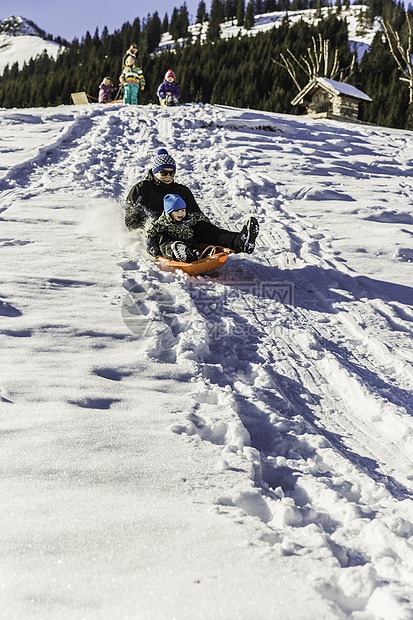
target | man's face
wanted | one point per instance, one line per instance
(166, 175)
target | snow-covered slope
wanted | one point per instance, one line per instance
(360, 32)
(20, 41)
(229, 447)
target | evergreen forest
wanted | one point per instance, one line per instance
(243, 71)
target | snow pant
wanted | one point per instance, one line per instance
(205, 232)
(130, 94)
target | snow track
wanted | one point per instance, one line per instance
(301, 366)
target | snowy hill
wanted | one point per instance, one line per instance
(224, 448)
(20, 40)
(360, 33)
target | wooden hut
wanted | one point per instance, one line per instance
(325, 98)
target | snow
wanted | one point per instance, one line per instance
(230, 447)
(360, 32)
(19, 43)
(345, 89)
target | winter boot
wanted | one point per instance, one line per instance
(245, 240)
(183, 253)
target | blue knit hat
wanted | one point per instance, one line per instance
(172, 202)
(163, 160)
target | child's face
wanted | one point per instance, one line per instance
(179, 215)
(170, 79)
(107, 82)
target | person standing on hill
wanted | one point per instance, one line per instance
(132, 80)
(132, 51)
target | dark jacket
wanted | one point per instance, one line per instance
(168, 87)
(145, 200)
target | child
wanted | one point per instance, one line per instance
(168, 92)
(132, 79)
(105, 90)
(172, 234)
(145, 201)
(133, 50)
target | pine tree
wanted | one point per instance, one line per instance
(153, 32)
(258, 7)
(249, 16)
(230, 10)
(216, 18)
(202, 15)
(136, 31)
(183, 21)
(174, 25)
(240, 12)
(214, 31)
(165, 24)
(217, 11)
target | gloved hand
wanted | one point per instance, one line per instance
(152, 247)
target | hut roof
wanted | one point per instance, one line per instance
(332, 86)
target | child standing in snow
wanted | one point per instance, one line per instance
(132, 80)
(105, 90)
(172, 234)
(168, 92)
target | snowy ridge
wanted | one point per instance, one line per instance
(286, 380)
(21, 40)
(360, 33)
(18, 26)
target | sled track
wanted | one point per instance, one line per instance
(332, 338)
(332, 351)
(294, 403)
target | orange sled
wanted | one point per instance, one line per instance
(215, 259)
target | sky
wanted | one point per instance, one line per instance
(73, 19)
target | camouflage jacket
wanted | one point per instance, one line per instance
(165, 228)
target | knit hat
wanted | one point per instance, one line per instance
(170, 73)
(163, 160)
(172, 202)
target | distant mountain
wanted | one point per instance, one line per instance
(19, 26)
(21, 40)
(360, 31)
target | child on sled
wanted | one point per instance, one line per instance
(174, 234)
(106, 89)
(168, 92)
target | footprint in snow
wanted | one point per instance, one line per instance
(8, 310)
(11, 242)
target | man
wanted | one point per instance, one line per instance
(145, 201)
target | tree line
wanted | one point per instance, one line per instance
(238, 72)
